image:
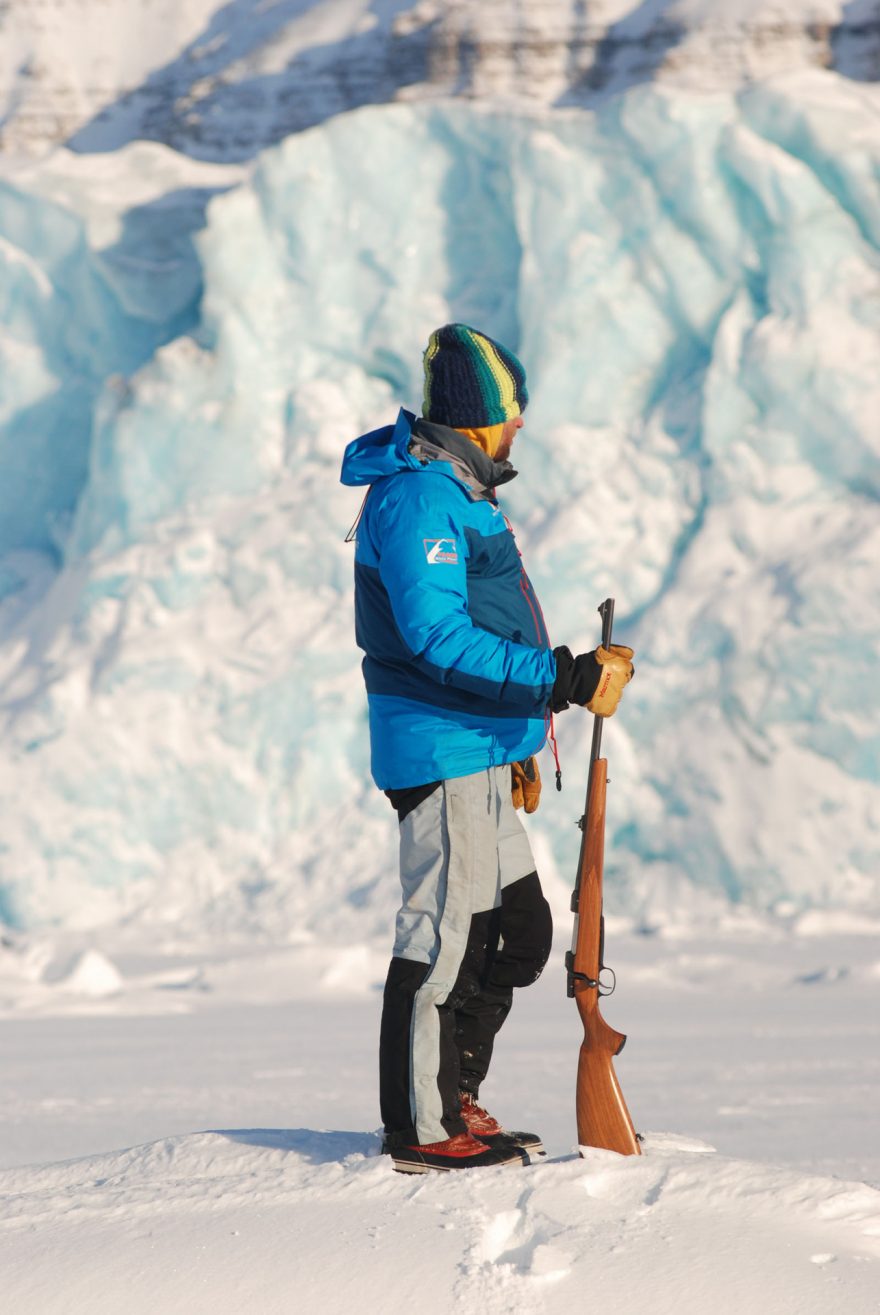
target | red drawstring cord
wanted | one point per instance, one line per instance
(551, 736)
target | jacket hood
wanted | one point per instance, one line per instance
(412, 444)
(382, 452)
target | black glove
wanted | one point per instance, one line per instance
(577, 678)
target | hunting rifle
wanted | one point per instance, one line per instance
(602, 1117)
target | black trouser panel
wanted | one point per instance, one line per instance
(395, 1040)
(506, 947)
(525, 932)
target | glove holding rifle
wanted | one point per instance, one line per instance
(594, 680)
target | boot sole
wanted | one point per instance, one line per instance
(407, 1166)
(530, 1148)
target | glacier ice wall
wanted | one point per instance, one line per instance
(692, 282)
(97, 268)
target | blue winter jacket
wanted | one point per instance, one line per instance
(458, 665)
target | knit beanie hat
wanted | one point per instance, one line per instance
(470, 381)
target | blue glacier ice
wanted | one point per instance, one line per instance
(73, 316)
(692, 282)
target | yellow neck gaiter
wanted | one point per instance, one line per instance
(486, 439)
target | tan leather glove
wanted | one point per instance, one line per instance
(526, 784)
(617, 672)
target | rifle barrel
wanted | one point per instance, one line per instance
(606, 611)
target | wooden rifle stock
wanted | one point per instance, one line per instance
(602, 1117)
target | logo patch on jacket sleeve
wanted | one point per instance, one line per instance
(441, 550)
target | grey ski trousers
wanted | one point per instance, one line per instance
(473, 924)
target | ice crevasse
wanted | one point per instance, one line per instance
(692, 282)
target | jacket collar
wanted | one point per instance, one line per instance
(431, 442)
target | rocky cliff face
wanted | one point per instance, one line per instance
(220, 81)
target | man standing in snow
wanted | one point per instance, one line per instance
(461, 682)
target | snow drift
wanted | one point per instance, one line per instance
(206, 1222)
(692, 283)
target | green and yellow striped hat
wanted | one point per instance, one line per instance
(470, 381)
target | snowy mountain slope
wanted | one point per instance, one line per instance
(182, 716)
(219, 81)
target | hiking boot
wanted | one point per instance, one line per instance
(460, 1152)
(484, 1128)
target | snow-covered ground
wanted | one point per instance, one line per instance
(195, 1132)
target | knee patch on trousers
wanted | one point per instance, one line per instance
(526, 933)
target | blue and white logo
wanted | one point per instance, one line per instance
(441, 550)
